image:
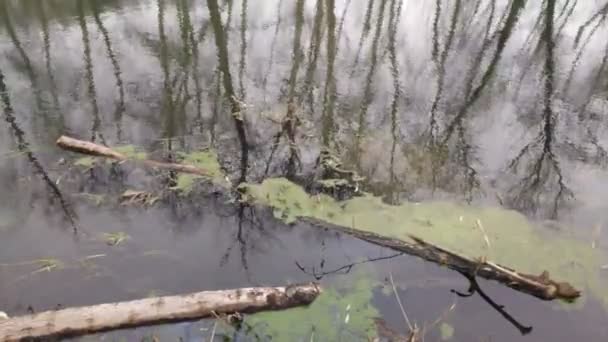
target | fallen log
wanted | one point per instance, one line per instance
(92, 149)
(103, 317)
(540, 286)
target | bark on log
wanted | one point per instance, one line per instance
(89, 148)
(540, 286)
(103, 317)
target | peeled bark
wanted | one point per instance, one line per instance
(103, 317)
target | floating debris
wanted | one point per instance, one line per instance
(134, 197)
(447, 331)
(115, 239)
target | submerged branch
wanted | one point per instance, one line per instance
(475, 288)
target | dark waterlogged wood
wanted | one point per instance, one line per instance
(97, 318)
(540, 286)
(92, 149)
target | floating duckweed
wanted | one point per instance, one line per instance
(131, 152)
(86, 162)
(514, 240)
(96, 199)
(343, 313)
(206, 160)
(446, 331)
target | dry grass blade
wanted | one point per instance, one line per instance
(213, 331)
(47, 265)
(483, 231)
(407, 320)
(94, 256)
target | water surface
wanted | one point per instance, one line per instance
(487, 102)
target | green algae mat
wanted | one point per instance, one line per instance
(503, 236)
(341, 312)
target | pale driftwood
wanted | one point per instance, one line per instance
(540, 286)
(89, 148)
(103, 317)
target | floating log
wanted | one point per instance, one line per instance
(92, 149)
(103, 317)
(540, 286)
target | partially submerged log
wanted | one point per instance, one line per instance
(103, 317)
(92, 149)
(540, 286)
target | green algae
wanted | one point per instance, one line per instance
(446, 331)
(96, 199)
(333, 183)
(513, 240)
(115, 239)
(343, 312)
(130, 151)
(86, 162)
(206, 160)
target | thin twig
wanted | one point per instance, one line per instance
(345, 268)
(407, 320)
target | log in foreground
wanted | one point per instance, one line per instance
(540, 286)
(92, 149)
(104, 317)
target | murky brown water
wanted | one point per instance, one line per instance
(514, 105)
